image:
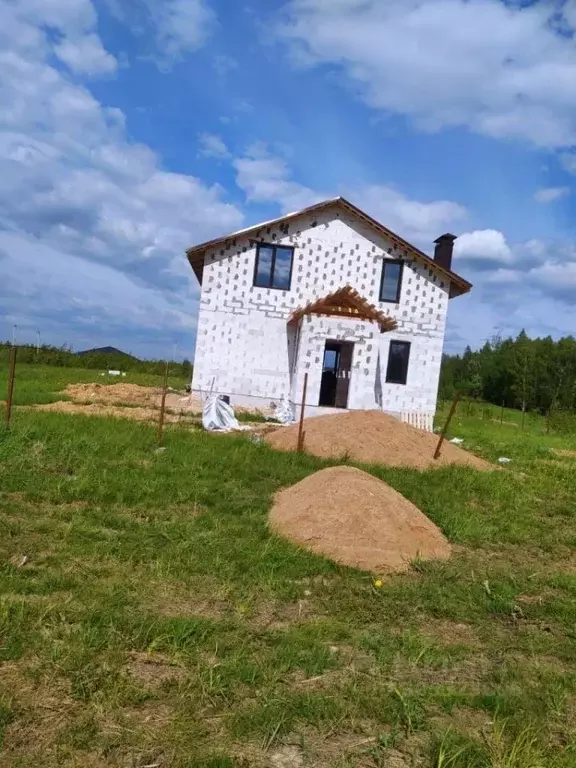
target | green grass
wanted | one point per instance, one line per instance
(155, 621)
(35, 384)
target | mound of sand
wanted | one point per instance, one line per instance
(372, 437)
(129, 394)
(355, 519)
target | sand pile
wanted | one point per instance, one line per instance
(372, 437)
(355, 519)
(113, 394)
(127, 394)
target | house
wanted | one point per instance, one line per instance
(328, 292)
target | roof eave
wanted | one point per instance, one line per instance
(459, 288)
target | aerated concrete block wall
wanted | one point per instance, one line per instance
(246, 348)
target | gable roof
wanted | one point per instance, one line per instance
(458, 284)
(345, 302)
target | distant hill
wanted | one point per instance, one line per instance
(107, 351)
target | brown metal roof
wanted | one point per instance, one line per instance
(196, 254)
(345, 302)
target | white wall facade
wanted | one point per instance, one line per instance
(246, 350)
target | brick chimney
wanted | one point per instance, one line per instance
(444, 249)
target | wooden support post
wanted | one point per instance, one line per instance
(502, 414)
(11, 377)
(446, 426)
(163, 406)
(301, 433)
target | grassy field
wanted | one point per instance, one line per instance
(44, 383)
(147, 617)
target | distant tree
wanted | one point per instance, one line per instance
(523, 387)
(530, 374)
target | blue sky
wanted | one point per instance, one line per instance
(132, 129)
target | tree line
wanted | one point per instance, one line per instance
(65, 357)
(536, 375)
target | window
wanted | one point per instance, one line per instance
(391, 283)
(398, 357)
(273, 266)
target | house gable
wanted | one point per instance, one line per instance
(288, 223)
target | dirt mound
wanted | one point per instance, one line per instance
(372, 437)
(127, 394)
(355, 519)
(113, 394)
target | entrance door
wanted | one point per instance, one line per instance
(336, 374)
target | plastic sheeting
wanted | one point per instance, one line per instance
(284, 411)
(218, 416)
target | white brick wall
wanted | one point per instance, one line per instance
(245, 346)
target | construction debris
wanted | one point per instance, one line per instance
(357, 520)
(372, 437)
(284, 411)
(218, 416)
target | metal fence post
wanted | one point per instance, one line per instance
(446, 426)
(163, 406)
(11, 377)
(301, 432)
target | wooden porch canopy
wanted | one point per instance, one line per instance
(345, 302)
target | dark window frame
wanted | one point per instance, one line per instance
(398, 287)
(273, 247)
(405, 344)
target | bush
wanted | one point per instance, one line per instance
(563, 422)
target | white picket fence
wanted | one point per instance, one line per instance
(418, 419)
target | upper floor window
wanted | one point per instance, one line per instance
(398, 359)
(273, 266)
(391, 283)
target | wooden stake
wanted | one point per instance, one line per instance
(11, 377)
(502, 414)
(163, 406)
(300, 446)
(446, 426)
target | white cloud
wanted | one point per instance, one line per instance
(265, 177)
(483, 246)
(501, 71)
(212, 145)
(77, 194)
(568, 161)
(534, 290)
(181, 25)
(73, 21)
(29, 269)
(558, 276)
(569, 12)
(166, 30)
(502, 276)
(86, 56)
(549, 194)
(419, 222)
